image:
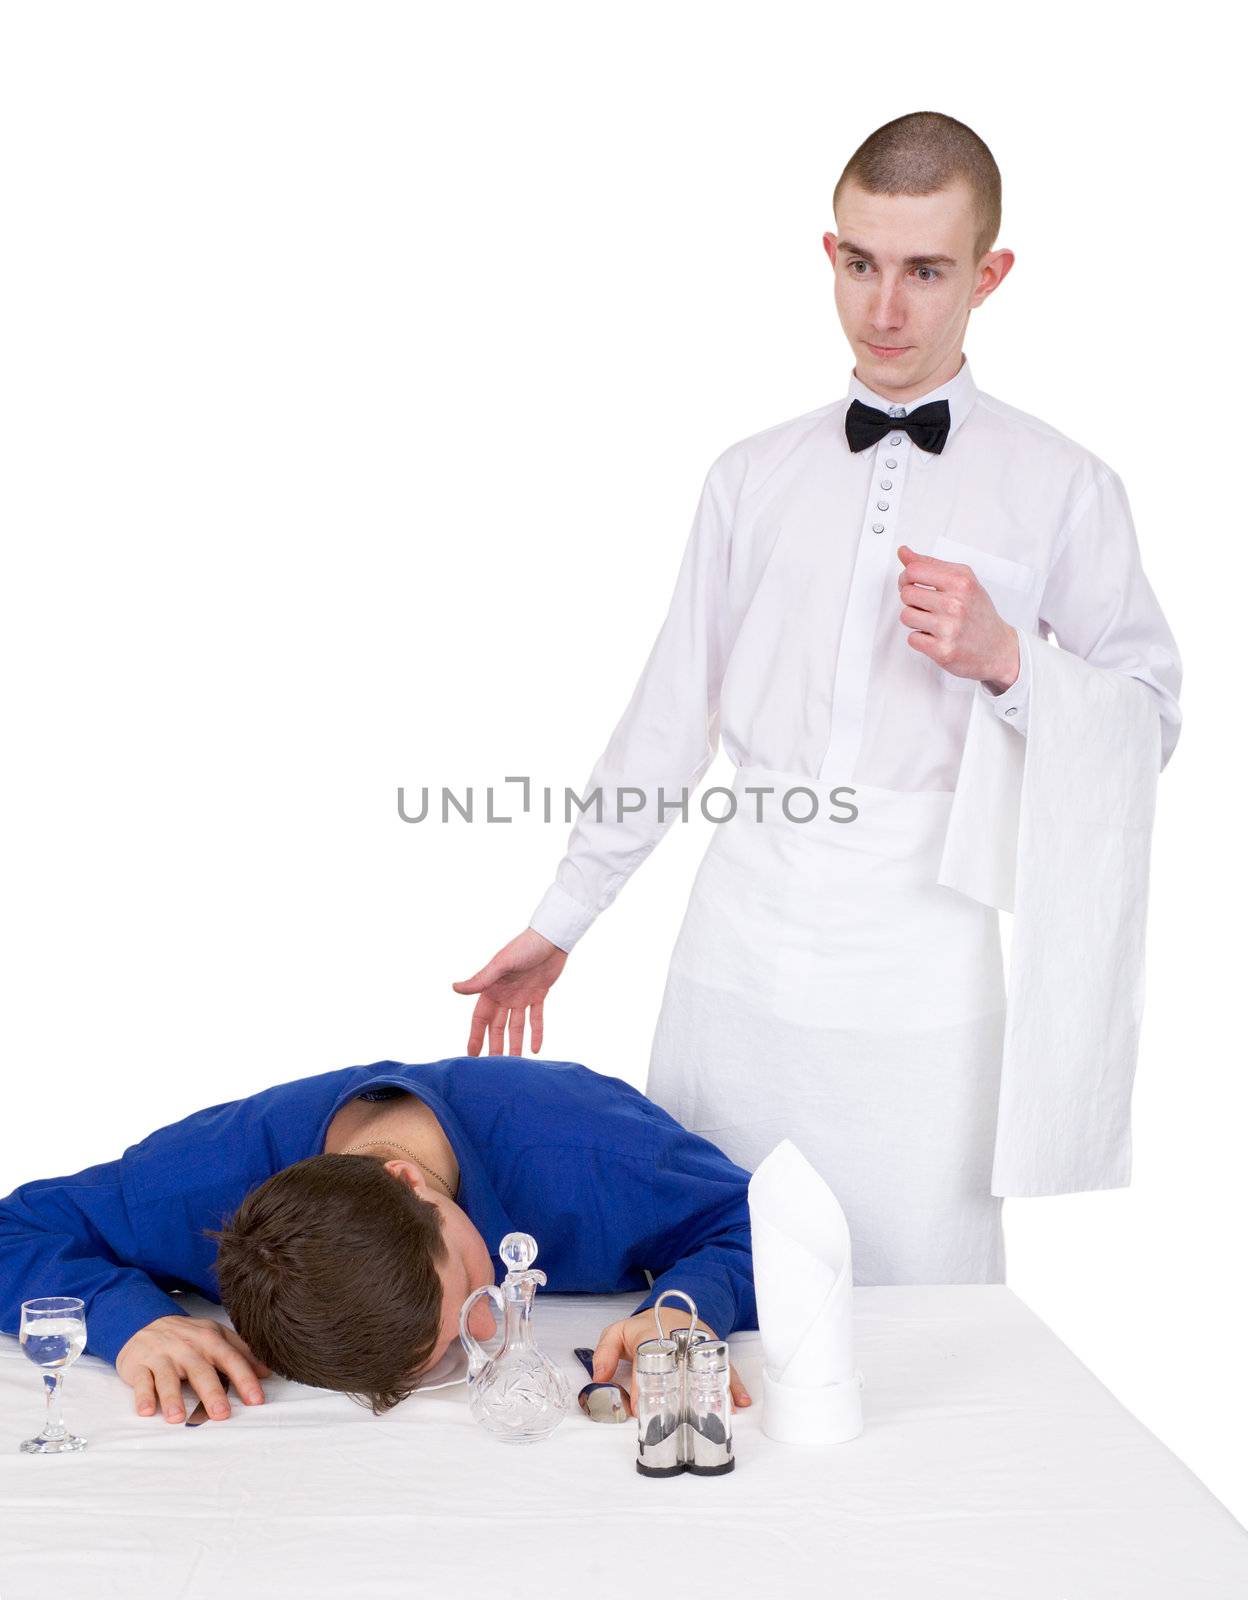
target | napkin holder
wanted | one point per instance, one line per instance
(830, 1414)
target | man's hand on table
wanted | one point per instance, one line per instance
(619, 1343)
(156, 1359)
(954, 621)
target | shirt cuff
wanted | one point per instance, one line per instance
(560, 918)
(1012, 704)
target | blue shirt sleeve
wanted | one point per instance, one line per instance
(114, 1233)
(73, 1236)
(701, 1225)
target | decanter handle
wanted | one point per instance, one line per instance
(478, 1355)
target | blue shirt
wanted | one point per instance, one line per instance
(606, 1182)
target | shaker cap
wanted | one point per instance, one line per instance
(656, 1356)
(708, 1355)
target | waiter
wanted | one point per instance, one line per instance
(851, 595)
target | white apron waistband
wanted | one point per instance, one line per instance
(842, 814)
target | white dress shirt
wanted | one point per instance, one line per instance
(783, 636)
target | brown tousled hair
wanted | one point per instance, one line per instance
(922, 153)
(329, 1272)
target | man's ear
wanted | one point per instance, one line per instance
(409, 1173)
(829, 244)
(992, 269)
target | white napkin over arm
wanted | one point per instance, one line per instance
(1056, 827)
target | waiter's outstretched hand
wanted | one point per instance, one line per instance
(512, 982)
(954, 621)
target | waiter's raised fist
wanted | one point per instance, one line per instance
(952, 620)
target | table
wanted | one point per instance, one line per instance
(992, 1464)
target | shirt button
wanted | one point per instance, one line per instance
(877, 527)
(891, 464)
(896, 439)
(1010, 710)
(881, 505)
(886, 483)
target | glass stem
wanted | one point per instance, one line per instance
(54, 1425)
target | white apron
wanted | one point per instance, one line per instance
(825, 988)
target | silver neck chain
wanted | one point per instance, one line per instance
(392, 1145)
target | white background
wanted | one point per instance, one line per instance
(360, 371)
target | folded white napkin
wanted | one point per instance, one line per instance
(803, 1281)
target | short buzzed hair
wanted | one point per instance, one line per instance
(922, 153)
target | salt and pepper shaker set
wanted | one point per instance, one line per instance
(684, 1403)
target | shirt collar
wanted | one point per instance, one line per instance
(476, 1194)
(960, 392)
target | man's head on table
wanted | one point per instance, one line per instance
(347, 1271)
(917, 207)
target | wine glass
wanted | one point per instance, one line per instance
(53, 1334)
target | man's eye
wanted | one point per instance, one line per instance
(934, 274)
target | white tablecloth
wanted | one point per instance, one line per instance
(992, 1464)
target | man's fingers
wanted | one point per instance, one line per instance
(169, 1389)
(232, 1336)
(948, 575)
(535, 1027)
(925, 621)
(916, 568)
(608, 1353)
(515, 1031)
(144, 1393)
(242, 1374)
(206, 1382)
(496, 1032)
(740, 1394)
(476, 1034)
(925, 599)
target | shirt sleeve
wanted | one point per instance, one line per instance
(1013, 704)
(701, 1226)
(72, 1236)
(666, 738)
(1100, 605)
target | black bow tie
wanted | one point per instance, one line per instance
(928, 426)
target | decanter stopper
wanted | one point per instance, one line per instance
(518, 1251)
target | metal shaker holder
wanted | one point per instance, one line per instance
(684, 1402)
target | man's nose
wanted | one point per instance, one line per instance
(886, 313)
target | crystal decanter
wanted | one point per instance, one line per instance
(516, 1393)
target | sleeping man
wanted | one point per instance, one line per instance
(343, 1219)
